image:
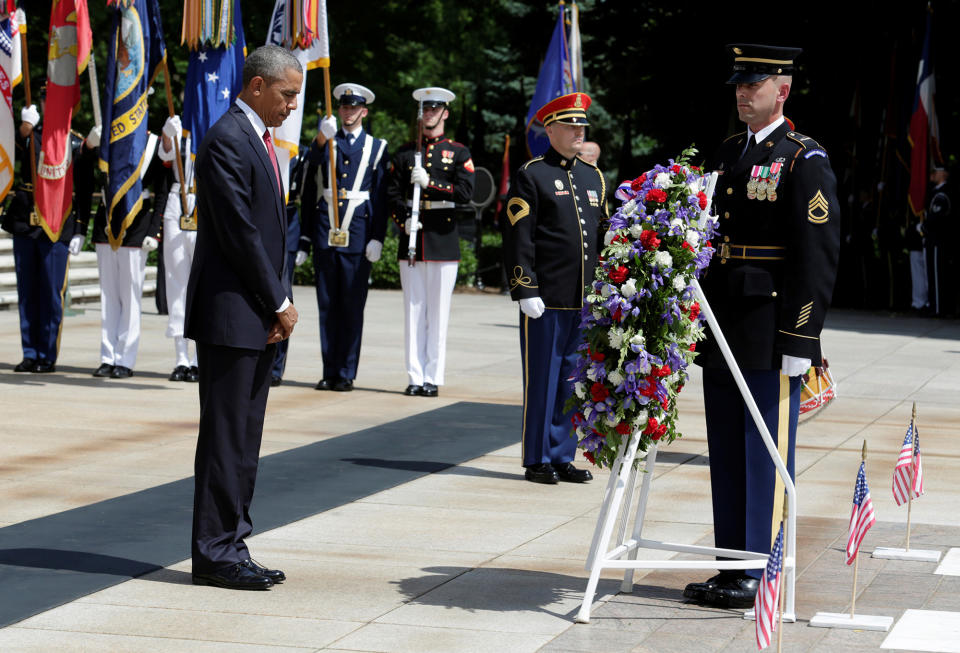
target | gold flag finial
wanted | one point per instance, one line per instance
(863, 452)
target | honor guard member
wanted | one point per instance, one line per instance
(445, 177)
(939, 238)
(179, 242)
(122, 272)
(41, 265)
(769, 284)
(550, 248)
(346, 241)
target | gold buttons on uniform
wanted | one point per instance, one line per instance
(729, 191)
(428, 164)
(344, 175)
(726, 214)
(773, 294)
(346, 162)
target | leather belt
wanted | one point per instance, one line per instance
(752, 252)
(430, 205)
(344, 194)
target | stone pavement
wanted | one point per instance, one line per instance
(446, 554)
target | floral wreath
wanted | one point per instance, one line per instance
(640, 323)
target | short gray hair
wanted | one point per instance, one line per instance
(269, 62)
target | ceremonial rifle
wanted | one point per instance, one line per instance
(186, 220)
(415, 209)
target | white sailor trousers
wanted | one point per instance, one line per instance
(427, 288)
(121, 288)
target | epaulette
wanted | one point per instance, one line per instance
(805, 142)
(734, 136)
(533, 160)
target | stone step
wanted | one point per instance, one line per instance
(81, 260)
(84, 286)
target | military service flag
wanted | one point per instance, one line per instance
(924, 129)
(555, 79)
(10, 28)
(67, 56)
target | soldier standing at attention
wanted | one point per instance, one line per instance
(769, 284)
(445, 178)
(550, 250)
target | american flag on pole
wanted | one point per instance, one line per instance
(862, 517)
(768, 594)
(908, 472)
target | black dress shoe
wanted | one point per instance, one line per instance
(44, 366)
(542, 473)
(698, 591)
(567, 472)
(121, 372)
(413, 390)
(429, 390)
(26, 365)
(103, 371)
(343, 385)
(324, 384)
(193, 375)
(275, 381)
(179, 373)
(237, 576)
(739, 592)
(275, 575)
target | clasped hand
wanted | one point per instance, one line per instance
(283, 325)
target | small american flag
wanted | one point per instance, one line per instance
(908, 471)
(862, 517)
(768, 594)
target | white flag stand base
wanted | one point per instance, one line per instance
(912, 555)
(618, 500)
(856, 622)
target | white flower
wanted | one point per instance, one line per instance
(679, 283)
(663, 259)
(592, 373)
(636, 230)
(693, 237)
(597, 314)
(615, 337)
(605, 290)
(579, 389)
(662, 180)
(695, 187)
(638, 340)
(645, 368)
(611, 419)
(676, 224)
(629, 208)
(608, 237)
(641, 418)
(615, 378)
(629, 289)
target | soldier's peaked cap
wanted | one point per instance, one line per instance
(353, 94)
(753, 63)
(570, 109)
(434, 96)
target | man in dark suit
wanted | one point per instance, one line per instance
(237, 310)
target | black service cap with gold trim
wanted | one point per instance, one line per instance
(569, 109)
(753, 63)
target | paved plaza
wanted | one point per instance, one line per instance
(404, 523)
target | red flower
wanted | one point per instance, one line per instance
(695, 168)
(650, 388)
(708, 244)
(577, 419)
(660, 371)
(589, 456)
(652, 425)
(659, 432)
(637, 183)
(599, 392)
(618, 274)
(694, 312)
(666, 404)
(623, 428)
(675, 169)
(687, 245)
(617, 314)
(620, 238)
(597, 356)
(655, 195)
(693, 346)
(703, 200)
(649, 240)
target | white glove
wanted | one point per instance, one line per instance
(328, 127)
(374, 249)
(299, 259)
(172, 128)
(30, 115)
(149, 244)
(793, 366)
(191, 203)
(532, 307)
(419, 176)
(407, 226)
(75, 244)
(93, 138)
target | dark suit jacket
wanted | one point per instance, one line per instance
(236, 282)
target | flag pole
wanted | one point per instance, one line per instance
(332, 170)
(913, 453)
(26, 89)
(786, 511)
(856, 561)
(176, 141)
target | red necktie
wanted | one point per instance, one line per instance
(273, 158)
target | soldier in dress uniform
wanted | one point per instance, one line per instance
(348, 241)
(550, 249)
(41, 264)
(769, 284)
(445, 177)
(939, 243)
(122, 272)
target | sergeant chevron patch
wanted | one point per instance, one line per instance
(516, 209)
(818, 209)
(804, 316)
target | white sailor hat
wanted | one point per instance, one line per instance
(353, 94)
(433, 96)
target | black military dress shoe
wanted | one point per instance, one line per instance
(542, 473)
(275, 381)
(103, 371)
(193, 375)
(343, 385)
(324, 384)
(44, 366)
(26, 365)
(413, 390)
(567, 472)
(121, 372)
(430, 390)
(739, 592)
(275, 575)
(698, 591)
(237, 576)
(179, 373)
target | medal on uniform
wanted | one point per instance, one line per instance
(754, 175)
(338, 238)
(773, 181)
(34, 219)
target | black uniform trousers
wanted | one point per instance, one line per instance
(234, 383)
(41, 268)
(342, 281)
(747, 492)
(280, 364)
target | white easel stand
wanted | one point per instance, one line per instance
(618, 500)
(856, 622)
(913, 555)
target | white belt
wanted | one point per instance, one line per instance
(344, 194)
(428, 205)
